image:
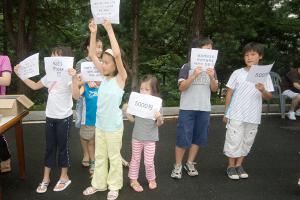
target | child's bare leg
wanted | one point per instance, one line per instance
(86, 158)
(64, 174)
(179, 153)
(239, 161)
(231, 162)
(46, 177)
(91, 148)
(193, 153)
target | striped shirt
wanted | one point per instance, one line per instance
(246, 101)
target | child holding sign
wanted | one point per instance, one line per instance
(109, 120)
(144, 137)
(87, 130)
(195, 86)
(58, 122)
(243, 106)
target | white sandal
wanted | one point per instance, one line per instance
(90, 190)
(42, 188)
(65, 184)
(112, 194)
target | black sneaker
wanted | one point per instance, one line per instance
(241, 172)
(232, 173)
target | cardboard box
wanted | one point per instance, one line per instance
(14, 104)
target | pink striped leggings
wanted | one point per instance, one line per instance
(149, 152)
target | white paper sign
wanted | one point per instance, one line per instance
(89, 72)
(143, 105)
(105, 9)
(57, 68)
(205, 58)
(29, 67)
(259, 73)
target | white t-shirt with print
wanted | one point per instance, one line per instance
(59, 103)
(246, 101)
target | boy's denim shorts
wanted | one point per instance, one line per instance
(192, 128)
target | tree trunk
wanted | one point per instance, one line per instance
(198, 19)
(135, 45)
(20, 36)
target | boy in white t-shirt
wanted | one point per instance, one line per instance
(243, 107)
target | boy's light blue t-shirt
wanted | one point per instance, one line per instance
(109, 116)
(90, 98)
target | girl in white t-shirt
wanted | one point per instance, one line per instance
(58, 122)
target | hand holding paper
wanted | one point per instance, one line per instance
(29, 67)
(143, 105)
(206, 58)
(259, 73)
(105, 9)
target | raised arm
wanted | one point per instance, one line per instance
(92, 50)
(33, 85)
(75, 83)
(122, 74)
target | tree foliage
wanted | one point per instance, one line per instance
(165, 29)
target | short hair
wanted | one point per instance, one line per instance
(254, 46)
(153, 83)
(86, 43)
(199, 43)
(62, 51)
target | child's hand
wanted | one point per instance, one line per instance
(107, 25)
(210, 72)
(16, 69)
(93, 26)
(124, 107)
(157, 115)
(72, 72)
(260, 87)
(196, 72)
(225, 120)
(92, 84)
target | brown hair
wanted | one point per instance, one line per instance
(153, 83)
(254, 46)
(62, 51)
(123, 58)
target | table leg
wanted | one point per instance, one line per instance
(20, 149)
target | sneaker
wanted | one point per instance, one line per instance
(232, 173)
(177, 172)
(190, 169)
(297, 113)
(241, 172)
(291, 115)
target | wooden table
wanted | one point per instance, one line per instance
(16, 121)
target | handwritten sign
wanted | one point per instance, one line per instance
(57, 68)
(29, 67)
(143, 105)
(259, 73)
(205, 58)
(89, 72)
(105, 9)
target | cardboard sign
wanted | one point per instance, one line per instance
(57, 68)
(143, 105)
(204, 58)
(105, 9)
(89, 72)
(29, 67)
(259, 73)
